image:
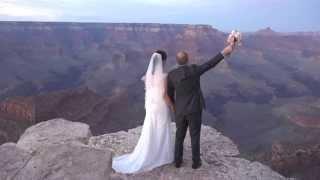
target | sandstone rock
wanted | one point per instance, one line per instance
(55, 149)
(61, 149)
(218, 156)
(56, 131)
(19, 108)
(289, 158)
(67, 161)
(12, 160)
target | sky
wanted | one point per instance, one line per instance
(225, 15)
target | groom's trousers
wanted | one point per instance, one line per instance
(193, 121)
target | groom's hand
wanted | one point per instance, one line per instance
(228, 50)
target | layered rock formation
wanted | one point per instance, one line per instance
(19, 108)
(81, 104)
(61, 149)
(290, 159)
(46, 106)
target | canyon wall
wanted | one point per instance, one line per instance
(22, 109)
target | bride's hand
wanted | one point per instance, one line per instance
(173, 108)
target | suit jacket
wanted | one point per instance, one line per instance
(183, 86)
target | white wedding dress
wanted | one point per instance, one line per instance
(155, 146)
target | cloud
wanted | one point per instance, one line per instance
(14, 9)
(222, 14)
(172, 2)
(165, 2)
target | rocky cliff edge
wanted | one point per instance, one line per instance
(61, 149)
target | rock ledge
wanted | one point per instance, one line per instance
(61, 149)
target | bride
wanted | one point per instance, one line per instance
(155, 146)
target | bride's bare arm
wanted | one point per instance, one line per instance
(166, 97)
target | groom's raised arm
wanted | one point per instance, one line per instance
(215, 60)
(210, 64)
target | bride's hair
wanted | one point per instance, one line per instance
(163, 54)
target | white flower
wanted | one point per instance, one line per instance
(234, 36)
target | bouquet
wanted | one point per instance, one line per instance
(235, 37)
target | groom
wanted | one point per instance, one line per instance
(184, 91)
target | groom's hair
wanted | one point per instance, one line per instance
(162, 53)
(182, 57)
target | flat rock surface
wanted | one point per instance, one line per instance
(60, 149)
(218, 155)
(12, 160)
(68, 161)
(55, 131)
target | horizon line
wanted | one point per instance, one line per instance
(152, 23)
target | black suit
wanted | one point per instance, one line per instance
(185, 92)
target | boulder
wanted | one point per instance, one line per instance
(52, 150)
(55, 131)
